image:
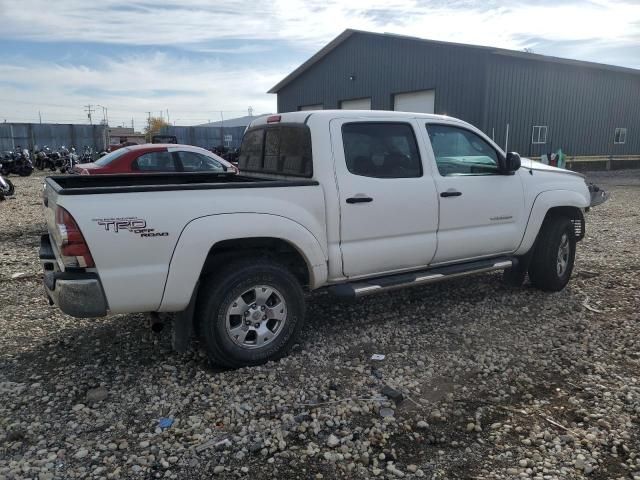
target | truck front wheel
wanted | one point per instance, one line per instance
(554, 255)
(250, 312)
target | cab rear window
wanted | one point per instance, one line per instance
(281, 149)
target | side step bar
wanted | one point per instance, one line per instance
(391, 282)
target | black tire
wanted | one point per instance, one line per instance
(10, 190)
(544, 270)
(219, 291)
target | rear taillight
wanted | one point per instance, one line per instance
(273, 119)
(71, 244)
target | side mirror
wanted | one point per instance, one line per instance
(512, 162)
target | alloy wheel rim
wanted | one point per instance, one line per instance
(256, 317)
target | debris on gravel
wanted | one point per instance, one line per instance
(478, 380)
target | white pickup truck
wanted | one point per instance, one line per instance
(359, 202)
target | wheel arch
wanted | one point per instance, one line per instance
(553, 203)
(208, 242)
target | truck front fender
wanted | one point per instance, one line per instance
(544, 202)
(201, 234)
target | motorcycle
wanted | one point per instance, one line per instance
(6, 187)
(17, 162)
(69, 159)
(24, 165)
(87, 155)
(56, 160)
(43, 159)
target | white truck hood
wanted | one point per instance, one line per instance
(535, 165)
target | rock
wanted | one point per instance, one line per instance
(392, 394)
(83, 452)
(218, 469)
(412, 468)
(391, 468)
(386, 412)
(422, 424)
(471, 427)
(580, 462)
(333, 441)
(255, 447)
(95, 395)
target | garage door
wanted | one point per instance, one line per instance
(356, 104)
(422, 101)
(318, 106)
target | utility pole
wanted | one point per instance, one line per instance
(40, 116)
(168, 121)
(132, 125)
(149, 125)
(89, 110)
(221, 129)
(105, 114)
(250, 111)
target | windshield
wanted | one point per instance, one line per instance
(110, 157)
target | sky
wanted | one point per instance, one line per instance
(206, 59)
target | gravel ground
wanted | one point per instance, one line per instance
(496, 382)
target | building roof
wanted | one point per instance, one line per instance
(333, 44)
(234, 122)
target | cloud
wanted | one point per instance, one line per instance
(198, 56)
(194, 92)
(314, 22)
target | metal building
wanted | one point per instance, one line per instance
(531, 103)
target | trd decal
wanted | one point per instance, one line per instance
(130, 224)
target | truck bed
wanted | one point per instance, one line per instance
(154, 182)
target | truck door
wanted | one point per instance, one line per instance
(388, 201)
(481, 209)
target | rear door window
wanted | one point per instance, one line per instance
(197, 162)
(280, 149)
(381, 150)
(155, 162)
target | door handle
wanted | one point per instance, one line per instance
(451, 193)
(359, 199)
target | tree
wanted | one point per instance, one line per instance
(154, 126)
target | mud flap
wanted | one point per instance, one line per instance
(183, 325)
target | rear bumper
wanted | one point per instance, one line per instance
(78, 294)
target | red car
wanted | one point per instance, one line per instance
(157, 157)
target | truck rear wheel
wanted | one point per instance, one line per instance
(250, 312)
(554, 255)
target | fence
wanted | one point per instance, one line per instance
(53, 135)
(206, 137)
(609, 162)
